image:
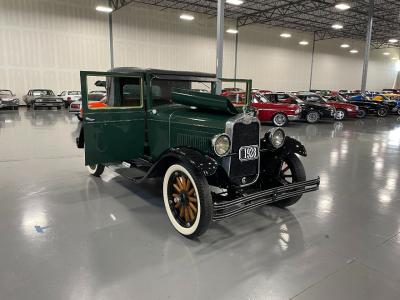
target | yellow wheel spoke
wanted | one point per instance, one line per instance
(191, 214)
(193, 207)
(188, 184)
(191, 192)
(177, 188)
(193, 199)
(186, 214)
(182, 211)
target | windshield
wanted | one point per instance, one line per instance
(74, 93)
(42, 93)
(161, 89)
(95, 97)
(6, 92)
(313, 98)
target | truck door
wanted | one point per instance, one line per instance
(114, 126)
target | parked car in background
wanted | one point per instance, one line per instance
(321, 92)
(392, 104)
(316, 105)
(8, 99)
(366, 105)
(342, 109)
(391, 91)
(76, 106)
(42, 98)
(269, 109)
(69, 97)
(231, 89)
(391, 96)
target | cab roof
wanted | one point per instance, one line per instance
(163, 73)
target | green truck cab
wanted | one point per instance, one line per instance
(213, 161)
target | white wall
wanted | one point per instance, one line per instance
(45, 43)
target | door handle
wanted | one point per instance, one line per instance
(89, 119)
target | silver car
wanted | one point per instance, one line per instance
(8, 99)
(42, 98)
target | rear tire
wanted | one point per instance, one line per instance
(280, 120)
(312, 117)
(291, 171)
(187, 200)
(382, 112)
(96, 170)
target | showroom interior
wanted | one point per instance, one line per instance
(209, 149)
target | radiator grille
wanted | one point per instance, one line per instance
(243, 135)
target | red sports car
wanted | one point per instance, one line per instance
(268, 107)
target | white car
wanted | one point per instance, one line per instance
(70, 96)
(92, 97)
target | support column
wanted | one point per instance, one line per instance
(236, 50)
(367, 46)
(220, 43)
(312, 60)
(110, 29)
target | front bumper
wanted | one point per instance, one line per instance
(293, 117)
(227, 209)
(11, 103)
(49, 104)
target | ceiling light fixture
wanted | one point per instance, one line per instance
(394, 58)
(337, 26)
(186, 17)
(386, 53)
(353, 51)
(232, 31)
(286, 35)
(303, 43)
(342, 6)
(105, 9)
(393, 41)
(234, 2)
(344, 46)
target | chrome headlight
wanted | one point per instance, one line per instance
(38, 100)
(221, 144)
(276, 137)
(58, 100)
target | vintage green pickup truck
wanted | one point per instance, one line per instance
(212, 159)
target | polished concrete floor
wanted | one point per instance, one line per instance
(67, 235)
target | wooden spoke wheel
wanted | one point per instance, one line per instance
(291, 171)
(187, 199)
(182, 200)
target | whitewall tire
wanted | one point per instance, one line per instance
(95, 170)
(187, 200)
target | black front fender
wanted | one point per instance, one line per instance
(204, 163)
(292, 145)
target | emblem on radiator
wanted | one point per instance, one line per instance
(248, 153)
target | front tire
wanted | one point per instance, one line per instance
(291, 171)
(340, 114)
(187, 200)
(362, 113)
(312, 117)
(280, 120)
(95, 170)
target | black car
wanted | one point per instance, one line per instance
(365, 105)
(310, 111)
